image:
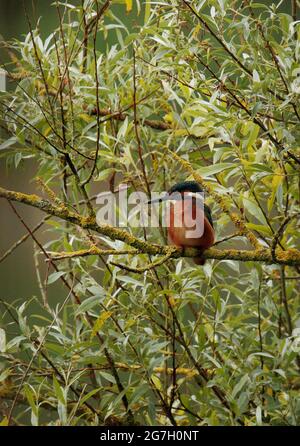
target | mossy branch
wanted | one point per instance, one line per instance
(288, 257)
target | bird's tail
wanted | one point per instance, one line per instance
(199, 260)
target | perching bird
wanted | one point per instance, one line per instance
(190, 222)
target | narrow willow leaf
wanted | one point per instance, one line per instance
(58, 391)
(147, 11)
(55, 276)
(238, 387)
(2, 340)
(31, 399)
(4, 422)
(128, 5)
(253, 209)
(276, 182)
(260, 228)
(139, 391)
(87, 304)
(208, 171)
(99, 322)
(9, 142)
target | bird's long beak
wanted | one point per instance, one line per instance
(176, 196)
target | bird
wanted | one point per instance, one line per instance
(189, 223)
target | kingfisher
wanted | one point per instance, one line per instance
(189, 222)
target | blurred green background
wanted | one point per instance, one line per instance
(17, 273)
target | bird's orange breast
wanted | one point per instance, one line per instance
(188, 226)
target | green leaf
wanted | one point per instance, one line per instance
(9, 142)
(108, 377)
(5, 374)
(260, 228)
(87, 304)
(243, 402)
(2, 340)
(208, 171)
(254, 131)
(238, 387)
(55, 276)
(258, 416)
(89, 395)
(138, 392)
(253, 209)
(31, 399)
(104, 174)
(147, 11)
(58, 391)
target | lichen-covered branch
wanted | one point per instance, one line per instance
(288, 257)
(93, 251)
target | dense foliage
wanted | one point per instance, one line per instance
(97, 104)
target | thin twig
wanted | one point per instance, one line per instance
(23, 238)
(97, 99)
(147, 267)
(285, 301)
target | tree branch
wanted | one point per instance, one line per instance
(288, 257)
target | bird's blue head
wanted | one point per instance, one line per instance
(186, 186)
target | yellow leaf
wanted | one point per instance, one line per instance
(276, 182)
(154, 162)
(100, 321)
(156, 381)
(283, 398)
(128, 5)
(87, 118)
(269, 391)
(209, 331)
(196, 31)
(130, 323)
(277, 178)
(47, 131)
(4, 422)
(169, 117)
(172, 301)
(199, 131)
(180, 132)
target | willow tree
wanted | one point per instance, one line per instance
(202, 90)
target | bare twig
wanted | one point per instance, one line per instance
(23, 239)
(279, 232)
(285, 301)
(97, 98)
(147, 267)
